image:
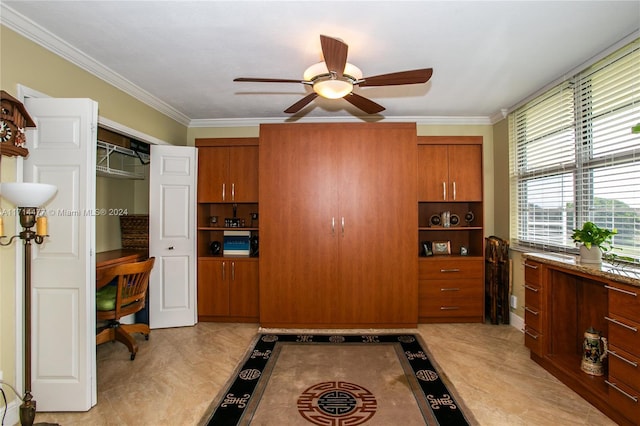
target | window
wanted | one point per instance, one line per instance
(574, 158)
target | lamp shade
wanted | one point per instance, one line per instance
(22, 194)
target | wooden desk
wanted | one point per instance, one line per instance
(105, 259)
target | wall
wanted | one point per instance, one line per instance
(26, 63)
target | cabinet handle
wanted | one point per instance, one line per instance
(634, 364)
(527, 265)
(343, 226)
(613, 385)
(444, 190)
(533, 289)
(233, 271)
(450, 289)
(233, 192)
(630, 293)
(454, 190)
(223, 190)
(449, 270)
(223, 271)
(620, 323)
(449, 308)
(533, 336)
(333, 225)
(531, 311)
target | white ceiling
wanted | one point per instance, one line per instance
(182, 56)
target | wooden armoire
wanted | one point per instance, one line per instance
(338, 221)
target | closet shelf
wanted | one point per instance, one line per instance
(119, 162)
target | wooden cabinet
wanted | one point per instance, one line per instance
(561, 303)
(228, 289)
(449, 290)
(450, 169)
(227, 200)
(227, 174)
(624, 350)
(533, 315)
(337, 233)
(450, 180)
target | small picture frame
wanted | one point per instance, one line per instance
(441, 247)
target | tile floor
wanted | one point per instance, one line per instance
(178, 372)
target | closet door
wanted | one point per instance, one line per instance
(377, 197)
(298, 225)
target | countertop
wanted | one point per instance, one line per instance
(627, 274)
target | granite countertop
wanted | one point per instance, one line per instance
(621, 273)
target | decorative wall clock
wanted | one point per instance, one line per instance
(13, 120)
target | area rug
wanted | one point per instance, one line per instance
(338, 380)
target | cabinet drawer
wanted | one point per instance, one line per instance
(624, 334)
(532, 296)
(623, 364)
(624, 399)
(441, 298)
(533, 340)
(532, 317)
(532, 273)
(624, 301)
(458, 268)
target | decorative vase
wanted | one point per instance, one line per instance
(590, 255)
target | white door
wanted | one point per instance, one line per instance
(172, 239)
(62, 152)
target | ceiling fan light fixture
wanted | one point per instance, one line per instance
(327, 84)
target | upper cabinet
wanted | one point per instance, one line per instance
(451, 168)
(227, 174)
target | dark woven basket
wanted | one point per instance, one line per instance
(134, 231)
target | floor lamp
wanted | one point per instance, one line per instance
(28, 197)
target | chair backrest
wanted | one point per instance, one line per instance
(133, 281)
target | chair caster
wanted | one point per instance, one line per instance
(146, 337)
(133, 356)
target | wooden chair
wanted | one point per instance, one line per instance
(116, 301)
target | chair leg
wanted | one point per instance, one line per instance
(137, 328)
(124, 337)
(105, 334)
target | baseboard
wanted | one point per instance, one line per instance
(516, 321)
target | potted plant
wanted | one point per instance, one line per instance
(595, 241)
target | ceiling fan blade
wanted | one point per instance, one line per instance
(335, 54)
(364, 104)
(397, 78)
(301, 103)
(267, 80)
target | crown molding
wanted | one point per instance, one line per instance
(29, 29)
(419, 120)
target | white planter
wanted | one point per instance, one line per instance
(590, 255)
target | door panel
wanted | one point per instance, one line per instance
(213, 172)
(243, 174)
(378, 266)
(243, 288)
(172, 240)
(465, 169)
(433, 172)
(298, 225)
(62, 151)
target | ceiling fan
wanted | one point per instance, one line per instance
(335, 78)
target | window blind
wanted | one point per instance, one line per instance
(573, 157)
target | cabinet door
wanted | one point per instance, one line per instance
(243, 288)
(213, 172)
(243, 174)
(465, 173)
(213, 287)
(433, 173)
(299, 225)
(378, 266)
